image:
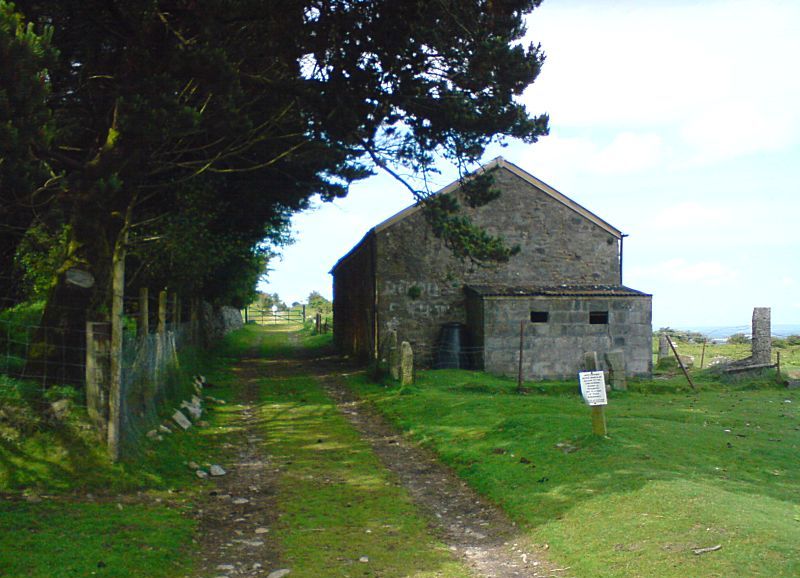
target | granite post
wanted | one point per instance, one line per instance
(406, 364)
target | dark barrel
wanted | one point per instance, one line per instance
(452, 350)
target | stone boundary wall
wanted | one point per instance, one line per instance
(219, 322)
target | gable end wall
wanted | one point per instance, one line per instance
(420, 284)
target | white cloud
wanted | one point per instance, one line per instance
(736, 128)
(716, 79)
(682, 271)
(627, 152)
(695, 216)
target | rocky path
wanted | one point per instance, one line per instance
(236, 518)
(474, 529)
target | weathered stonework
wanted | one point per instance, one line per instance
(402, 277)
(762, 336)
(406, 364)
(664, 351)
(421, 284)
(556, 348)
(617, 373)
(393, 355)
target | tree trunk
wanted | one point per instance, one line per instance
(56, 353)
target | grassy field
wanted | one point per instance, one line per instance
(680, 470)
(337, 504)
(790, 354)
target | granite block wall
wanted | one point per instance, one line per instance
(421, 285)
(555, 348)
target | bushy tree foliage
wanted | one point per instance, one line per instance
(318, 303)
(187, 132)
(25, 125)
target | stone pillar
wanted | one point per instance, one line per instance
(406, 364)
(616, 370)
(663, 348)
(762, 336)
(590, 362)
(393, 356)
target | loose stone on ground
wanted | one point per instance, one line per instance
(475, 530)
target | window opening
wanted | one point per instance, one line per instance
(598, 317)
(540, 316)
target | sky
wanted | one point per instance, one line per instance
(677, 122)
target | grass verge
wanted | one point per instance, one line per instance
(680, 470)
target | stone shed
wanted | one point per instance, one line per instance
(401, 277)
(559, 323)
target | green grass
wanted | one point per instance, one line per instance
(72, 540)
(790, 354)
(69, 534)
(668, 479)
(336, 502)
(46, 456)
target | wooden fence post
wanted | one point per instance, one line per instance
(115, 394)
(161, 333)
(599, 426)
(143, 326)
(680, 362)
(98, 346)
(703, 354)
(194, 321)
(174, 313)
(162, 312)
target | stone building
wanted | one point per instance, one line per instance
(563, 287)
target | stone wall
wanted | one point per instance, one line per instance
(216, 323)
(555, 348)
(421, 284)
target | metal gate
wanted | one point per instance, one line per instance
(262, 316)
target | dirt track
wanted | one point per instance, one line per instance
(234, 539)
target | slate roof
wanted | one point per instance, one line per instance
(556, 291)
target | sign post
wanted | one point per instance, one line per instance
(593, 390)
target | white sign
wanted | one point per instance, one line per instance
(79, 278)
(593, 387)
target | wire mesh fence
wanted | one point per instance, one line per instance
(40, 363)
(150, 377)
(49, 356)
(710, 348)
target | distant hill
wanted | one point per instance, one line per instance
(722, 332)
